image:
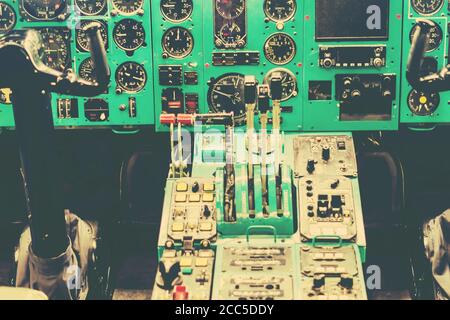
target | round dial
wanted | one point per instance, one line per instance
(288, 82)
(44, 9)
(86, 70)
(83, 40)
(8, 17)
(280, 48)
(128, 7)
(129, 35)
(230, 9)
(427, 7)
(176, 10)
(56, 48)
(280, 10)
(231, 35)
(423, 104)
(131, 77)
(435, 37)
(91, 7)
(178, 42)
(226, 94)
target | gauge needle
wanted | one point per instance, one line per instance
(223, 93)
(137, 78)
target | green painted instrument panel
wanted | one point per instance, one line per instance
(127, 106)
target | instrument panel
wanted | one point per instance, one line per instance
(337, 74)
(126, 31)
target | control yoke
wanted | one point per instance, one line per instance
(435, 82)
(32, 82)
(21, 54)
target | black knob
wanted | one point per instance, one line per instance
(346, 281)
(311, 166)
(326, 153)
(206, 212)
(169, 275)
(195, 187)
(335, 184)
(318, 281)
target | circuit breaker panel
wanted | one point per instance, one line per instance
(126, 31)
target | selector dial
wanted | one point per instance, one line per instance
(427, 7)
(423, 104)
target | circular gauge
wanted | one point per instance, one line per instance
(129, 35)
(44, 10)
(86, 70)
(280, 10)
(230, 9)
(8, 17)
(427, 7)
(435, 37)
(56, 52)
(226, 94)
(423, 104)
(231, 35)
(131, 77)
(288, 82)
(83, 40)
(178, 42)
(176, 10)
(5, 96)
(128, 7)
(280, 48)
(91, 7)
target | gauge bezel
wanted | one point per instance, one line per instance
(415, 92)
(62, 14)
(123, 13)
(294, 93)
(238, 118)
(79, 32)
(123, 88)
(222, 14)
(136, 22)
(416, 9)
(65, 35)
(186, 53)
(272, 18)
(82, 64)
(103, 9)
(166, 16)
(12, 26)
(284, 62)
(438, 27)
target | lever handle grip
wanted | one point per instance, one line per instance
(98, 55)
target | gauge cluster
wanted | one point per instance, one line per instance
(426, 109)
(125, 27)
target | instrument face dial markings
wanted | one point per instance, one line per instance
(280, 10)
(91, 7)
(288, 82)
(435, 37)
(44, 9)
(8, 17)
(226, 94)
(86, 70)
(176, 10)
(230, 9)
(129, 35)
(56, 48)
(128, 7)
(82, 39)
(131, 77)
(423, 104)
(280, 49)
(427, 7)
(231, 35)
(178, 42)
